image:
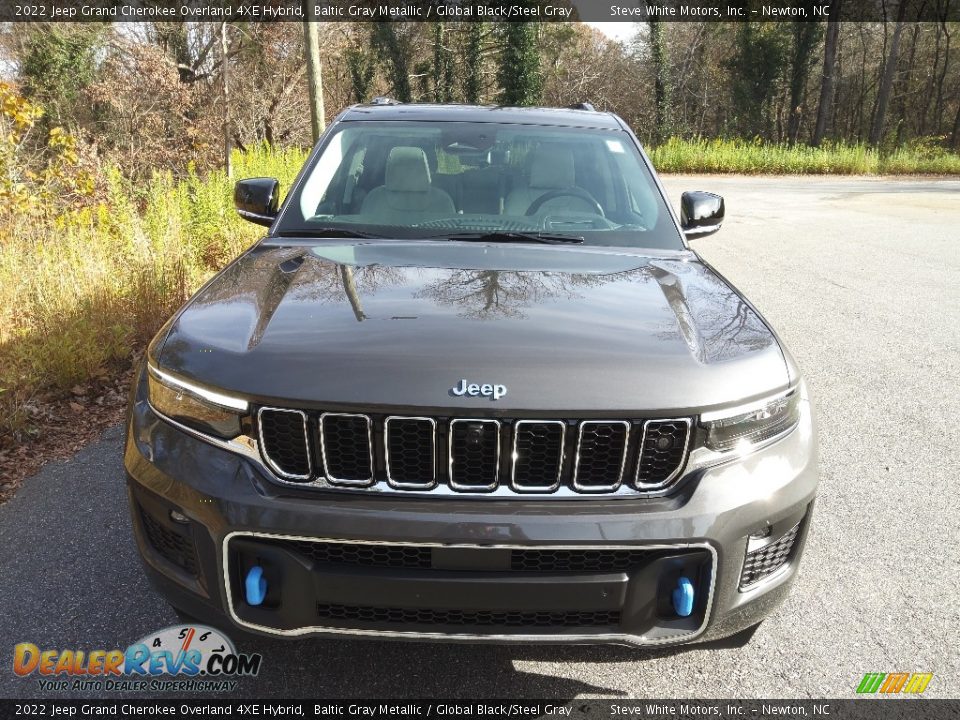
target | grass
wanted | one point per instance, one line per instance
(744, 157)
(81, 293)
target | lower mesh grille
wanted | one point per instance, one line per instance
(173, 547)
(585, 561)
(475, 618)
(394, 556)
(767, 560)
(531, 560)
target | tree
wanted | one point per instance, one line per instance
(361, 73)
(36, 173)
(472, 78)
(225, 85)
(829, 69)
(886, 79)
(955, 133)
(171, 126)
(661, 86)
(269, 95)
(806, 35)
(59, 61)
(395, 54)
(192, 47)
(518, 71)
(756, 67)
(311, 43)
(442, 64)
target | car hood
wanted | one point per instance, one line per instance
(384, 325)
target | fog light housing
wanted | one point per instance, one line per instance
(764, 562)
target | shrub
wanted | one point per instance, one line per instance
(81, 291)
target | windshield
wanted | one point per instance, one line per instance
(483, 180)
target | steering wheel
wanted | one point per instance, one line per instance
(565, 192)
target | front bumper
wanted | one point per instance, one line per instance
(466, 587)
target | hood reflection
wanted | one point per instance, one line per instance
(593, 323)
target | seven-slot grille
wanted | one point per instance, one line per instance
(472, 455)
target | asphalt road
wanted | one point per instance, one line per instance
(862, 279)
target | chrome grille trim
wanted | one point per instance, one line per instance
(326, 469)
(509, 478)
(683, 456)
(636, 640)
(513, 459)
(433, 452)
(450, 473)
(623, 459)
(306, 439)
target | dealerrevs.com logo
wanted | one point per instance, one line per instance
(199, 658)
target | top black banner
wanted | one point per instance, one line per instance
(479, 10)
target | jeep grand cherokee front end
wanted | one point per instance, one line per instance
(472, 385)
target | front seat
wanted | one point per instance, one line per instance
(406, 196)
(551, 168)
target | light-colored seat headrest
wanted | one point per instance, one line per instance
(407, 170)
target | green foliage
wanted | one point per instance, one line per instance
(756, 157)
(518, 73)
(361, 71)
(755, 69)
(806, 37)
(442, 64)
(59, 61)
(661, 84)
(80, 291)
(472, 77)
(37, 170)
(395, 53)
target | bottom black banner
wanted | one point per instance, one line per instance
(872, 709)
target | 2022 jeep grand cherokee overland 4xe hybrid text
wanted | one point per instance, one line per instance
(472, 385)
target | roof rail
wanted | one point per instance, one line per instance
(582, 106)
(384, 100)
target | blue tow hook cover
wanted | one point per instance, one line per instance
(256, 586)
(683, 597)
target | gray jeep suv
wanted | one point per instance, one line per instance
(472, 385)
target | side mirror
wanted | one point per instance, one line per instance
(257, 200)
(701, 213)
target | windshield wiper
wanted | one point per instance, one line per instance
(328, 232)
(511, 237)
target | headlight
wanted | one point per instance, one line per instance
(196, 407)
(747, 426)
